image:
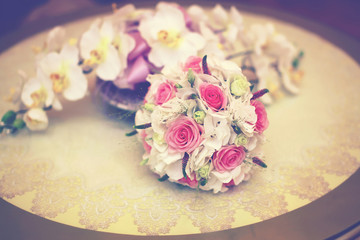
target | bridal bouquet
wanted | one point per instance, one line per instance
(201, 126)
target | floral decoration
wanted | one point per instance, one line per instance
(195, 137)
(116, 54)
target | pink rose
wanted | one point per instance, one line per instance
(165, 92)
(262, 122)
(228, 158)
(192, 183)
(213, 96)
(183, 135)
(143, 136)
(229, 184)
(193, 62)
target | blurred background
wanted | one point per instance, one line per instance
(343, 15)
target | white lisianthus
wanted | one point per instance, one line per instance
(36, 119)
(170, 41)
(217, 132)
(64, 73)
(244, 116)
(216, 179)
(105, 48)
(167, 112)
(200, 157)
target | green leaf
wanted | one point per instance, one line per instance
(236, 129)
(143, 126)
(9, 117)
(131, 133)
(19, 123)
(203, 181)
(193, 96)
(144, 161)
(177, 85)
(191, 77)
(163, 178)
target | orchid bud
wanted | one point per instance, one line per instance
(36, 119)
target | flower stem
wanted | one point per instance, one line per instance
(143, 126)
(259, 93)
(259, 162)
(131, 133)
(163, 178)
(239, 54)
(205, 66)
(184, 163)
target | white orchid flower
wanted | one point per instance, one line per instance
(213, 47)
(107, 49)
(170, 41)
(66, 76)
(37, 92)
(198, 15)
(267, 46)
(229, 24)
(36, 119)
(55, 39)
(128, 15)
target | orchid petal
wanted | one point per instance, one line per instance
(78, 84)
(89, 41)
(110, 68)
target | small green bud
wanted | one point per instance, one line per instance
(241, 140)
(144, 161)
(193, 96)
(295, 63)
(19, 123)
(236, 129)
(199, 117)
(159, 139)
(301, 54)
(203, 181)
(149, 107)
(204, 171)
(177, 85)
(239, 85)
(191, 77)
(9, 117)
